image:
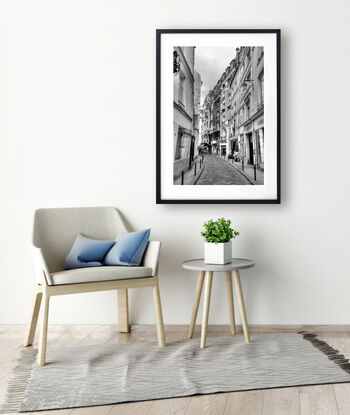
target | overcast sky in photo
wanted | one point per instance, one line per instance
(211, 62)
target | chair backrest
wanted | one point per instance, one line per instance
(55, 230)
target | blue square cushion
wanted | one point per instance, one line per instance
(87, 252)
(128, 249)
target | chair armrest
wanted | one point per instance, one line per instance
(40, 267)
(151, 256)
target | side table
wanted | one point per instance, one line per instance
(206, 270)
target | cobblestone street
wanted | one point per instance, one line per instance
(217, 171)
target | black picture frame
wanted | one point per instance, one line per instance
(159, 198)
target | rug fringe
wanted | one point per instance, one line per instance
(328, 350)
(17, 386)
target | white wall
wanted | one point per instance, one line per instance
(77, 128)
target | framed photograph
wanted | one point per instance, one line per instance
(218, 116)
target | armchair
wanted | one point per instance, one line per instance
(53, 235)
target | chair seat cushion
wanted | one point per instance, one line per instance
(95, 274)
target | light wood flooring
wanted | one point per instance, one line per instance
(311, 400)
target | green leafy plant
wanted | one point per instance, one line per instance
(218, 231)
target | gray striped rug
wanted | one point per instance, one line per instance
(109, 374)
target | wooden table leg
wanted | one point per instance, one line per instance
(197, 298)
(231, 310)
(207, 292)
(241, 304)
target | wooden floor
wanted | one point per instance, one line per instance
(311, 400)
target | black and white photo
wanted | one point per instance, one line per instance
(219, 115)
(224, 97)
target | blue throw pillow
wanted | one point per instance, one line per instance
(128, 249)
(87, 252)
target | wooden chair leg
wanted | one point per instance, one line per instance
(43, 329)
(231, 309)
(197, 298)
(159, 316)
(123, 311)
(206, 304)
(29, 336)
(241, 305)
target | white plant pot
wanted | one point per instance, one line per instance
(220, 253)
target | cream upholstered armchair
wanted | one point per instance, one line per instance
(53, 236)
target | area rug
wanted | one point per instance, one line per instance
(109, 374)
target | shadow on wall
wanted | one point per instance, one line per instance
(126, 221)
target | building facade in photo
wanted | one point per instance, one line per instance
(206, 121)
(226, 109)
(210, 131)
(184, 111)
(248, 102)
(233, 112)
(197, 113)
(216, 121)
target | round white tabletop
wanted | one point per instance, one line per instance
(235, 265)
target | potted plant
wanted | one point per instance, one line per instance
(218, 245)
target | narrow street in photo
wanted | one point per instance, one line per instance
(218, 115)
